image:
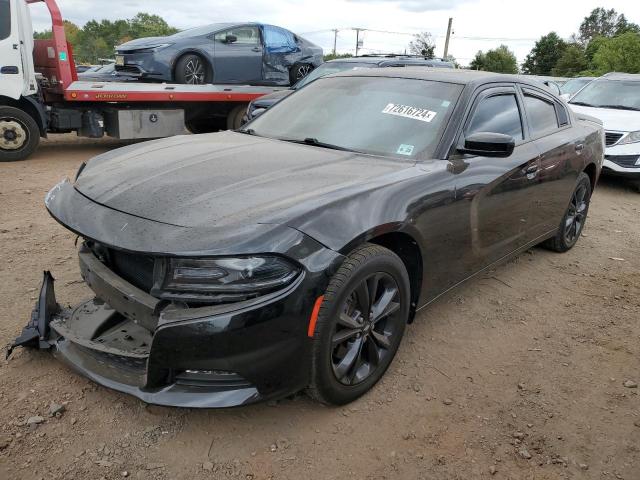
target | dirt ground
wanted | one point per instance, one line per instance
(518, 374)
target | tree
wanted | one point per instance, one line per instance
(499, 60)
(604, 23)
(333, 56)
(544, 55)
(423, 45)
(618, 54)
(572, 62)
(147, 25)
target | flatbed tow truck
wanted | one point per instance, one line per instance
(40, 94)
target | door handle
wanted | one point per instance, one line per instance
(256, 49)
(531, 171)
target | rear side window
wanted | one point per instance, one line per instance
(497, 114)
(279, 40)
(541, 115)
(5, 19)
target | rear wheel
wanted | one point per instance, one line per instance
(360, 324)
(19, 134)
(192, 69)
(574, 218)
(299, 71)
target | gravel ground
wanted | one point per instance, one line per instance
(528, 372)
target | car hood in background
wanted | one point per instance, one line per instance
(227, 179)
(612, 118)
(267, 100)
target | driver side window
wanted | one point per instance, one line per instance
(246, 35)
(497, 114)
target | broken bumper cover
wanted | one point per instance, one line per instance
(208, 357)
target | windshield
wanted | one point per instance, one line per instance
(397, 117)
(622, 94)
(331, 67)
(572, 86)
(194, 32)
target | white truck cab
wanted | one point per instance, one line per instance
(17, 75)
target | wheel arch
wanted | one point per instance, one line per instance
(407, 248)
(592, 171)
(30, 106)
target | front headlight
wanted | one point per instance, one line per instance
(152, 48)
(631, 137)
(241, 276)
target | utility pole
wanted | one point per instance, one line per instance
(358, 30)
(335, 40)
(446, 42)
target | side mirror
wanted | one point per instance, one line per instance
(488, 144)
(257, 112)
(230, 39)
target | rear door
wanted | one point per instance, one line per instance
(498, 190)
(238, 55)
(560, 146)
(11, 71)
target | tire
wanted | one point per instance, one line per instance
(364, 347)
(19, 134)
(192, 69)
(299, 71)
(572, 224)
(234, 118)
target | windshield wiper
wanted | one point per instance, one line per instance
(619, 107)
(317, 143)
(583, 104)
(248, 131)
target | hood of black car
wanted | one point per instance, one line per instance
(224, 179)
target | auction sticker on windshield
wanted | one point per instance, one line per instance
(407, 111)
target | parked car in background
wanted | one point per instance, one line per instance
(341, 65)
(615, 99)
(552, 83)
(104, 73)
(246, 53)
(573, 86)
(84, 68)
(246, 265)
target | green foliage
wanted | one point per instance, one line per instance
(499, 60)
(604, 23)
(423, 44)
(98, 39)
(572, 61)
(332, 56)
(544, 55)
(618, 54)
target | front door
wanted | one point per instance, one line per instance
(497, 191)
(11, 69)
(238, 55)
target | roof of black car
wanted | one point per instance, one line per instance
(379, 59)
(450, 75)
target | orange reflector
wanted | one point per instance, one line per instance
(314, 316)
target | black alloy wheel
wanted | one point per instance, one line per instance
(576, 215)
(360, 324)
(299, 71)
(574, 218)
(365, 327)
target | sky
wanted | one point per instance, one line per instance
(477, 24)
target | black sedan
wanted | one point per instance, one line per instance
(235, 267)
(253, 53)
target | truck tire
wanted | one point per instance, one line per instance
(234, 118)
(19, 134)
(192, 69)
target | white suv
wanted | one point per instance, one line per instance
(615, 99)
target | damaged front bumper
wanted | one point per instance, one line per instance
(214, 356)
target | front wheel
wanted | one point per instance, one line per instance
(192, 69)
(360, 324)
(19, 134)
(574, 218)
